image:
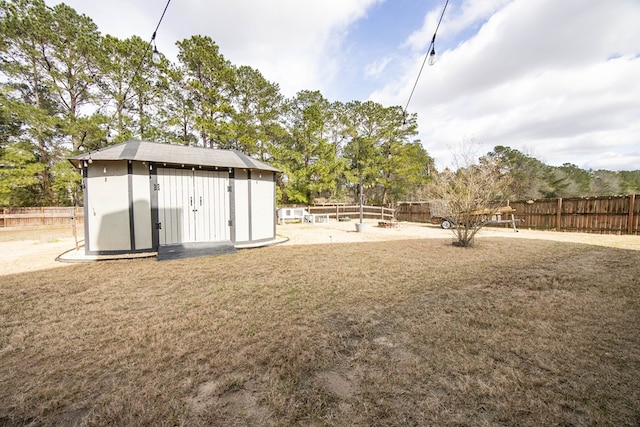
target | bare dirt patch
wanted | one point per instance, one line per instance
(340, 384)
(345, 232)
(31, 249)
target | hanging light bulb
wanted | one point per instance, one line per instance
(155, 56)
(432, 56)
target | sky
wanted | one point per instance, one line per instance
(556, 80)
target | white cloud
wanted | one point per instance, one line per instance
(615, 161)
(375, 69)
(293, 43)
(537, 74)
(456, 19)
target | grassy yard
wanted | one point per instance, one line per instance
(416, 332)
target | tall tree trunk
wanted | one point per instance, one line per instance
(120, 116)
(43, 153)
(185, 134)
(385, 190)
(141, 114)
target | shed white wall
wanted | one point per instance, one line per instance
(108, 206)
(241, 199)
(141, 194)
(263, 209)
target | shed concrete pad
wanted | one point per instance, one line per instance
(192, 250)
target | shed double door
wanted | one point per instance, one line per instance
(193, 206)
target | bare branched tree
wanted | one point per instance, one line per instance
(474, 193)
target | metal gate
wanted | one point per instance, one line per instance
(193, 206)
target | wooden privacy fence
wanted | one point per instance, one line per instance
(33, 217)
(416, 211)
(606, 215)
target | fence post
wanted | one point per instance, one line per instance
(74, 225)
(559, 215)
(632, 205)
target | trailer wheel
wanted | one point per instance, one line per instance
(446, 224)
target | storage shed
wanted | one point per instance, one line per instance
(139, 196)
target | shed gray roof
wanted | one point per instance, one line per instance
(145, 151)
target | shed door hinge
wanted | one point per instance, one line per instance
(158, 226)
(156, 187)
(229, 188)
(230, 222)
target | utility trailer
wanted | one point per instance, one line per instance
(502, 215)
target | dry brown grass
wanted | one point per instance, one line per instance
(416, 332)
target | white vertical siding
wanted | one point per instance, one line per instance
(169, 210)
(222, 210)
(184, 189)
(193, 206)
(212, 203)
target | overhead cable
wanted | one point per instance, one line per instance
(146, 50)
(430, 50)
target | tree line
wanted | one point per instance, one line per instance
(532, 179)
(66, 89)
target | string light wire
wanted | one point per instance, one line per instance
(162, 17)
(429, 50)
(146, 50)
